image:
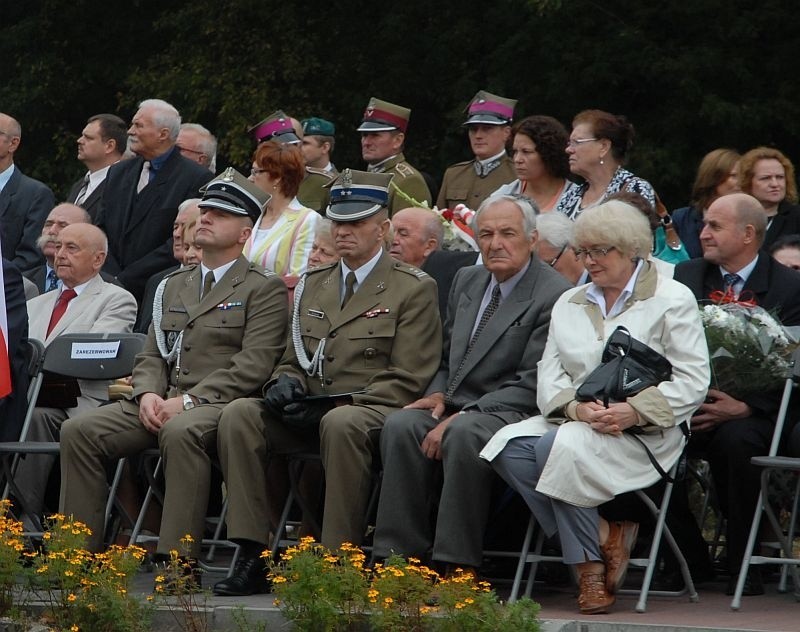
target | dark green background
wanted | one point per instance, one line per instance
(691, 75)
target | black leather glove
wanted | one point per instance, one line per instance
(287, 389)
(305, 415)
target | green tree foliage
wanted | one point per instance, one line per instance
(691, 76)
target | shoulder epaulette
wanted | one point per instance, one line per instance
(321, 172)
(257, 268)
(182, 269)
(324, 266)
(404, 169)
(415, 272)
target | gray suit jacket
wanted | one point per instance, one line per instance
(100, 308)
(499, 376)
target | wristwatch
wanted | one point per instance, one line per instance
(188, 403)
(666, 220)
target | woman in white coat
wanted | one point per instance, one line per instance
(566, 470)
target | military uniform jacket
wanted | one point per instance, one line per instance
(408, 180)
(313, 193)
(462, 185)
(387, 340)
(232, 338)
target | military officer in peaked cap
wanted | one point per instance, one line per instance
(488, 124)
(218, 330)
(313, 192)
(366, 333)
(383, 134)
(277, 126)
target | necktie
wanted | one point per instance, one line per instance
(208, 283)
(60, 307)
(482, 170)
(144, 177)
(84, 190)
(52, 281)
(489, 310)
(729, 281)
(349, 284)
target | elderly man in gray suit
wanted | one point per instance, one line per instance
(497, 321)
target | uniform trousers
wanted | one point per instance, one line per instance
(409, 490)
(89, 441)
(520, 464)
(34, 470)
(346, 441)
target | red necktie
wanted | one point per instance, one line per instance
(60, 307)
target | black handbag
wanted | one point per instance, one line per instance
(627, 367)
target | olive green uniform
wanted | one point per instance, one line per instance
(386, 341)
(462, 185)
(232, 339)
(408, 180)
(313, 193)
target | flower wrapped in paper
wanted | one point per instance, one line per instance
(750, 350)
(458, 234)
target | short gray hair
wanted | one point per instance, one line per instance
(208, 142)
(616, 224)
(525, 205)
(323, 227)
(187, 203)
(164, 115)
(555, 228)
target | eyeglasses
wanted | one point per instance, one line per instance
(553, 263)
(594, 253)
(254, 171)
(574, 142)
(191, 151)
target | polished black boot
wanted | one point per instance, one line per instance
(249, 578)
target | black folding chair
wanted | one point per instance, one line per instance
(87, 356)
(773, 464)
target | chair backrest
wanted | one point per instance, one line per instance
(93, 356)
(34, 354)
(791, 382)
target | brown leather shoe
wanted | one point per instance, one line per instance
(593, 597)
(617, 551)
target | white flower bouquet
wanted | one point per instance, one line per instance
(750, 350)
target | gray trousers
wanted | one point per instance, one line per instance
(90, 440)
(34, 470)
(520, 464)
(408, 492)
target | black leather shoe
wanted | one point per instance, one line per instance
(249, 578)
(753, 584)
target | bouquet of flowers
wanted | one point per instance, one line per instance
(458, 235)
(750, 350)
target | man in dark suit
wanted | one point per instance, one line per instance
(495, 332)
(12, 406)
(24, 202)
(728, 431)
(142, 195)
(101, 144)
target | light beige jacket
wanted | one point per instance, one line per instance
(588, 468)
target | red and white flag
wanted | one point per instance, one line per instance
(5, 366)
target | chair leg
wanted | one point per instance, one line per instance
(523, 556)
